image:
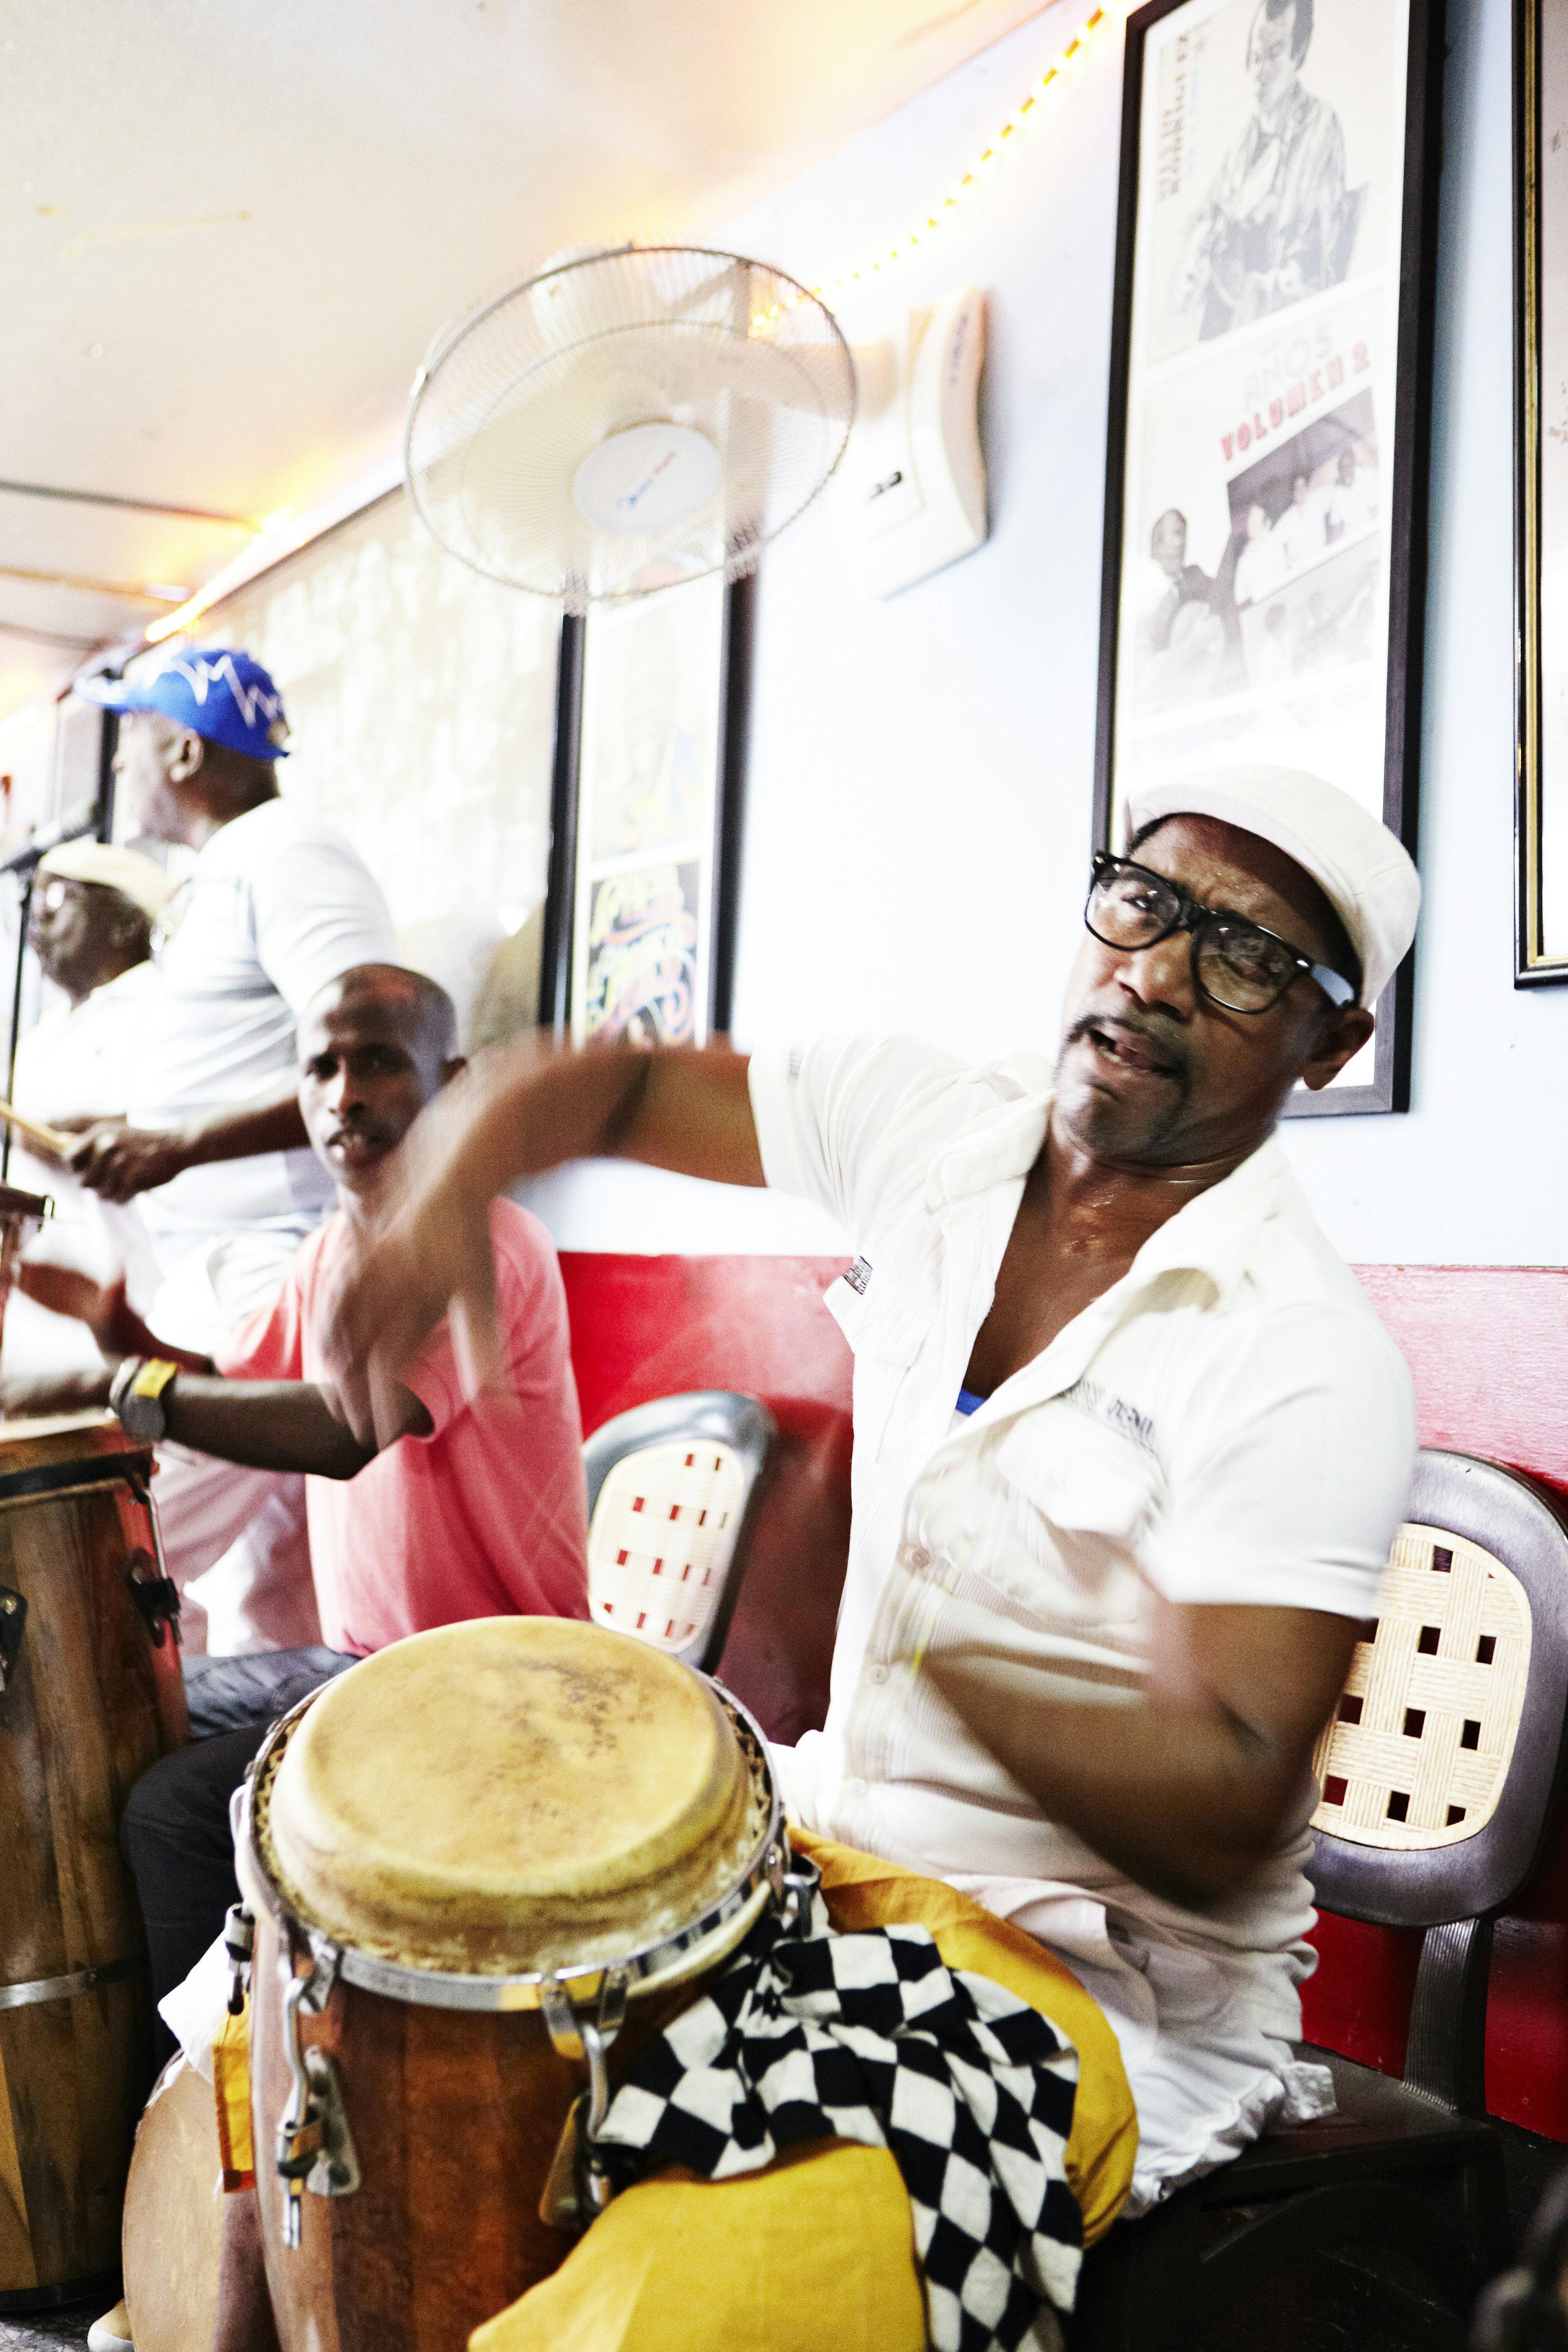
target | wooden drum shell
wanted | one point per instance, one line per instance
(455, 2115)
(90, 1703)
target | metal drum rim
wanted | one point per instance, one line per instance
(443, 1989)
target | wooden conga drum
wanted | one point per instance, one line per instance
(486, 1866)
(90, 1693)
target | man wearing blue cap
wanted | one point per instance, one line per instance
(277, 905)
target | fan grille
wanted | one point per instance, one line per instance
(512, 402)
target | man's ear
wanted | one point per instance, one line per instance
(1346, 1034)
(454, 1068)
(186, 756)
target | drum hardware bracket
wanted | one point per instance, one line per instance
(157, 1598)
(579, 2187)
(238, 1942)
(165, 1608)
(13, 1625)
(315, 2148)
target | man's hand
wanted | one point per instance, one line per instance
(117, 1160)
(514, 1111)
(1190, 1787)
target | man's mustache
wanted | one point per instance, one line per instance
(1160, 1039)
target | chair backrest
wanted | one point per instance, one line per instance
(672, 1487)
(1440, 1766)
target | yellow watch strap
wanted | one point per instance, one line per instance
(153, 1376)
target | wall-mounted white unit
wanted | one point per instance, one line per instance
(910, 487)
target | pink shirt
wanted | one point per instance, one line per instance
(484, 1517)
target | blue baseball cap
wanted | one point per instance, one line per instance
(215, 690)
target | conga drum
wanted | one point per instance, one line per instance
(486, 1866)
(90, 1693)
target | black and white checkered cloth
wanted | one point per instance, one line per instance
(810, 2034)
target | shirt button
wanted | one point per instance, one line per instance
(877, 1673)
(854, 1788)
(919, 1559)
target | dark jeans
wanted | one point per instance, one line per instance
(175, 1832)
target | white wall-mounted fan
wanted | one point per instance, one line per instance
(628, 420)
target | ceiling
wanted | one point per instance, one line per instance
(227, 234)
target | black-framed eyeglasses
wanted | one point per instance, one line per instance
(1236, 962)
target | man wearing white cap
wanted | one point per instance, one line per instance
(88, 924)
(1130, 1443)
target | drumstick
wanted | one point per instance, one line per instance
(49, 1137)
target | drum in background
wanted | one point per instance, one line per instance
(486, 1866)
(174, 2216)
(90, 1693)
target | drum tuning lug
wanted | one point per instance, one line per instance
(793, 1889)
(157, 1598)
(613, 2003)
(238, 1942)
(13, 1625)
(561, 2018)
(336, 2171)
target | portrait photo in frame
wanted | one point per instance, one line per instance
(1263, 583)
(1541, 449)
(650, 746)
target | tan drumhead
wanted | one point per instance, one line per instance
(510, 1794)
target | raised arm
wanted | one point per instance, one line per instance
(517, 1111)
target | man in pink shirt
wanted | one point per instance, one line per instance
(471, 1506)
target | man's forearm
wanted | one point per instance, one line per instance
(273, 1124)
(1184, 1799)
(267, 1425)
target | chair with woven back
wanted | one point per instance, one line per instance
(672, 1492)
(1439, 1774)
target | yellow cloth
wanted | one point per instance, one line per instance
(817, 2249)
(231, 2087)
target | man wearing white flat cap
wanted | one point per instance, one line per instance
(1129, 1443)
(89, 925)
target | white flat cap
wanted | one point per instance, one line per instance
(136, 877)
(1367, 875)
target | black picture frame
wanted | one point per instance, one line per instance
(555, 981)
(1408, 480)
(1533, 965)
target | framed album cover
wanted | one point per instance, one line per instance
(650, 741)
(1541, 444)
(1267, 461)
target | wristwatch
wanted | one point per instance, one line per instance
(136, 1395)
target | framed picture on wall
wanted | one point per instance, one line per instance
(1540, 444)
(639, 933)
(1267, 460)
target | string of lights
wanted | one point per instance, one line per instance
(969, 183)
(281, 533)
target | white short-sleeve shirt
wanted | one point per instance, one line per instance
(1227, 1422)
(277, 905)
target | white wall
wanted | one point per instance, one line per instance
(918, 814)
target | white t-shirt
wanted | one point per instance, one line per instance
(1227, 1422)
(277, 905)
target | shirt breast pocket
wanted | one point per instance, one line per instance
(1095, 1488)
(886, 1325)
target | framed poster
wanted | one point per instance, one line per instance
(639, 933)
(1266, 476)
(1541, 444)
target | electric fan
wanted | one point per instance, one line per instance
(628, 420)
